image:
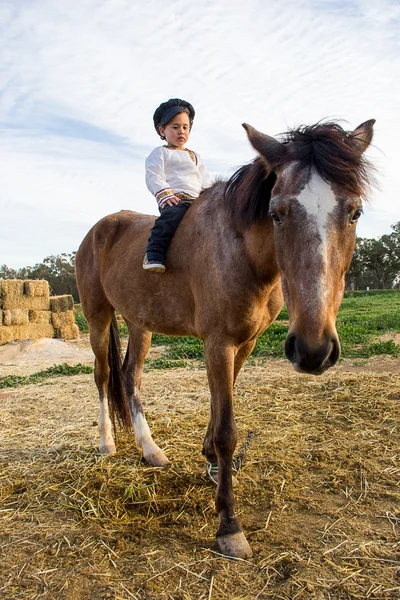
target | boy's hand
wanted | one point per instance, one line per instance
(171, 202)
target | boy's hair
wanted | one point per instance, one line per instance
(167, 110)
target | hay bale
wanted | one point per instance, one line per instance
(30, 303)
(61, 303)
(62, 319)
(67, 332)
(40, 330)
(32, 331)
(12, 291)
(15, 316)
(12, 296)
(5, 335)
(40, 317)
(36, 288)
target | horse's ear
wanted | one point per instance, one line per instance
(362, 135)
(268, 147)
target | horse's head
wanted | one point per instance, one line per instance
(320, 178)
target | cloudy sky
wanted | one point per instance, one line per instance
(80, 80)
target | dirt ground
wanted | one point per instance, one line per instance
(318, 496)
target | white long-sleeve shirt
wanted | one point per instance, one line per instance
(171, 172)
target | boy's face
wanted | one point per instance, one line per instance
(177, 130)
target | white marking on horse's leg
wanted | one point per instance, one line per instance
(107, 445)
(144, 441)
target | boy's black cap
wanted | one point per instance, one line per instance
(169, 109)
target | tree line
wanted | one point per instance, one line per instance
(375, 265)
(376, 262)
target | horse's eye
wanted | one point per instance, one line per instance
(275, 217)
(355, 215)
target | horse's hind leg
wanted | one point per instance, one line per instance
(99, 337)
(138, 346)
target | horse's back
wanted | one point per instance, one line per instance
(106, 232)
(118, 233)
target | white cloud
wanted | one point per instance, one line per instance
(80, 81)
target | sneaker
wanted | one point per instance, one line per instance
(155, 266)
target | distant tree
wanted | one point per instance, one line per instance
(7, 273)
(379, 262)
(393, 248)
(355, 274)
(60, 273)
(376, 263)
(392, 243)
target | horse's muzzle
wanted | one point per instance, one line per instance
(312, 360)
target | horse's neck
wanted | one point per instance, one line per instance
(259, 244)
(217, 232)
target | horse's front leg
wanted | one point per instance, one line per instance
(208, 444)
(220, 370)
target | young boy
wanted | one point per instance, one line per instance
(174, 175)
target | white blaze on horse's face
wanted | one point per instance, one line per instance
(319, 201)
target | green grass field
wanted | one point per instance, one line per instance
(364, 317)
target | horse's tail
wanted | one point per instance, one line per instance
(116, 393)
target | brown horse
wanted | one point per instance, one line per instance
(288, 217)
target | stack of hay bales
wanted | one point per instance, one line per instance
(27, 311)
(62, 317)
(25, 307)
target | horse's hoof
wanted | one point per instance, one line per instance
(157, 459)
(108, 448)
(235, 545)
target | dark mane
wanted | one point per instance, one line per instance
(324, 147)
(248, 192)
(332, 152)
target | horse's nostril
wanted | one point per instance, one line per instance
(290, 348)
(335, 352)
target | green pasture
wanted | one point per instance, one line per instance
(363, 319)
